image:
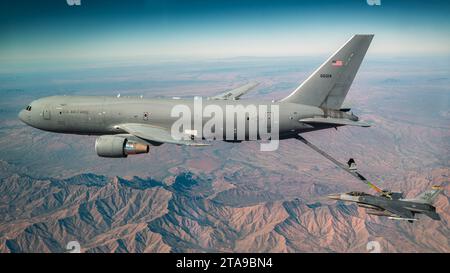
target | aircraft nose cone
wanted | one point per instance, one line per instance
(23, 116)
(334, 196)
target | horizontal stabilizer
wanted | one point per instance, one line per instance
(432, 214)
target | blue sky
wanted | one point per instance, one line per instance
(99, 29)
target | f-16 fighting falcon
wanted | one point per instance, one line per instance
(128, 126)
(385, 203)
(392, 204)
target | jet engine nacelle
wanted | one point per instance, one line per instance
(114, 146)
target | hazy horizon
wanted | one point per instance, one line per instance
(99, 30)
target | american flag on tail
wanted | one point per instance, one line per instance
(337, 63)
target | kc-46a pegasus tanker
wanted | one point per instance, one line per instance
(128, 126)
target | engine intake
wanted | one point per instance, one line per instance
(114, 146)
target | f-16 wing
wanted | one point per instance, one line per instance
(334, 121)
(400, 212)
(155, 134)
(236, 93)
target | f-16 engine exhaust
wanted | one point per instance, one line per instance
(114, 146)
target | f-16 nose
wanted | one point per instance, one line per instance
(334, 196)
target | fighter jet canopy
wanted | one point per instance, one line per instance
(357, 193)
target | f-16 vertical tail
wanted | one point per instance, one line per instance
(329, 84)
(429, 196)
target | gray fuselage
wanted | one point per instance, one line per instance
(383, 206)
(385, 203)
(95, 115)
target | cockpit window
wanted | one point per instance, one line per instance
(28, 108)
